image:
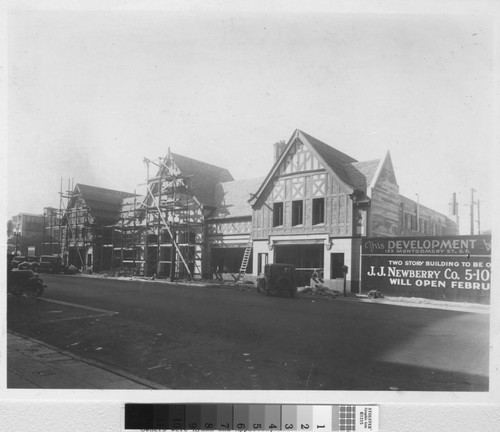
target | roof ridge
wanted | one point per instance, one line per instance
(103, 189)
(314, 141)
(198, 161)
(365, 161)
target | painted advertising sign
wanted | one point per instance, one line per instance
(452, 268)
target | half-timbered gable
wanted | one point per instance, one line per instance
(316, 203)
(308, 190)
(179, 199)
(86, 225)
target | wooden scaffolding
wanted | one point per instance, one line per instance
(75, 228)
(161, 233)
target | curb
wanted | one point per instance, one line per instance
(95, 363)
(459, 307)
(162, 281)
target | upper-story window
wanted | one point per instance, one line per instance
(297, 212)
(318, 211)
(277, 214)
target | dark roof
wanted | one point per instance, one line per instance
(333, 157)
(361, 173)
(203, 177)
(355, 175)
(231, 198)
(104, 204)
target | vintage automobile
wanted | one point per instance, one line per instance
(30, 263)
(24, 282)
(16, 260)
(50, 264)
(278, 279)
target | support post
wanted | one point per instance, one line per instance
(472, 211)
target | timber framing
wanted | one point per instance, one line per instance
(193, 220)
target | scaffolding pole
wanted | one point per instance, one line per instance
(169, 207)
(65, 199)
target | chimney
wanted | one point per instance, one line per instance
(278, 149)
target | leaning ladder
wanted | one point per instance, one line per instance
(246, 257)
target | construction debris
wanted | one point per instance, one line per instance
(71, 269)
(374, 294)
(319, 291)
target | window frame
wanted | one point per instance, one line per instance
(297, 213)
(278, 214)
(318, 216)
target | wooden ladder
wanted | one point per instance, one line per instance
(246, 257)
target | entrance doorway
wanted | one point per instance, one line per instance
(336, 266)
(262, 261)
(305, 258)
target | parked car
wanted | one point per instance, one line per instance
(50, 264)
(278, 279)
(30, 263)
(16, 260)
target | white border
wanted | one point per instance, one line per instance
(102, 410)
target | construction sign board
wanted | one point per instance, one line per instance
(451, 268)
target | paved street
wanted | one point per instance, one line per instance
(194, 337)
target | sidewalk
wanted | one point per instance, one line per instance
(34, 364)
(429, 304)
(414, 302)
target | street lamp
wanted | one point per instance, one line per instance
(16, 233)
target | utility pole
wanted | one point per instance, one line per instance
(472, 202)
(478, 217)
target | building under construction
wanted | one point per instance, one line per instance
(161, 233)
(195, 221)
(86, 226)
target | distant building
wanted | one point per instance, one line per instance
(29, 231)
(51, 243)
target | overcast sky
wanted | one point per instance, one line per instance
(93, 93)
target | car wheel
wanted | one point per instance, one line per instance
(34, 290)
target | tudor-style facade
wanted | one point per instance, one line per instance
(312, 210)
(317, 203)
(303, 211)
(86, 226)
